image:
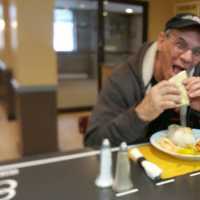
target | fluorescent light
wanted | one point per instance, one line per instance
(2, 25)
(105, 13)
(129, 10)
(14, 24)
(105, 2)
(82, 6)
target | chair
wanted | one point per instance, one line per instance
(83, 123)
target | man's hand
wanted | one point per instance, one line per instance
(162, 96)
(192, 85)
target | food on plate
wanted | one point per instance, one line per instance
(181, 136)
(187, 151)
(168, 144)
(197, 145)
(178, 80)
(180, 140)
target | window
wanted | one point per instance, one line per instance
(64, 30)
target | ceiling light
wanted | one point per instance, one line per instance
(105, 2)
(129, 10)
(105, 13)
(82, 5)
(2, 25)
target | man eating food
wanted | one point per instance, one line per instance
(139, 99)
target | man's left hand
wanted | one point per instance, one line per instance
(192, 85)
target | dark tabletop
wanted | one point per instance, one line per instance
(72, 177)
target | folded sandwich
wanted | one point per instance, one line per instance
(178, 80)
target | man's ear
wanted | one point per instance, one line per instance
(161, 39)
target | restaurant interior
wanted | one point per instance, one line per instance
(55, 56)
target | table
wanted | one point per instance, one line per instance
(71, 177)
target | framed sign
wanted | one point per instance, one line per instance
(188, 7)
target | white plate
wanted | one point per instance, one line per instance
(156, 136)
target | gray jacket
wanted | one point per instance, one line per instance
(114, 115)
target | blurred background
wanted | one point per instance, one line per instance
(55, 56)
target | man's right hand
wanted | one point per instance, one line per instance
(162, 96)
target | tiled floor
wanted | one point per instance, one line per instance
(68, 135)
(9, 137)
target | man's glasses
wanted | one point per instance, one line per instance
(183, 47)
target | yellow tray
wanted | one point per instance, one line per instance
(171, 166)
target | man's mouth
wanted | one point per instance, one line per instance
(177, 69)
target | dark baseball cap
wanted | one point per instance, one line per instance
(183, 20)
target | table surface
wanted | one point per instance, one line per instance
(72, 176)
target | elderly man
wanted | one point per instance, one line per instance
(138, 99)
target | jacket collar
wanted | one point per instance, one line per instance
(148, 64)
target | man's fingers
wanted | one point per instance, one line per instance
(194, 94)
(168, 104)
(168, 88)
(165, 83)
(194, 87)
(191, 81)
(174, 98)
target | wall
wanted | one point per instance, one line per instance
(159, 12)
(183, 1)
(189, 6)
